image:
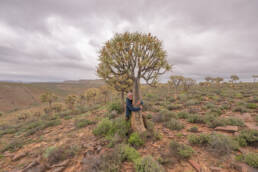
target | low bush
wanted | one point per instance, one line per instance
(248, 137)
(183, 115)
(181, 151)
(13, 145)
(212, 121)
(192, 102)
(128, 153)
(148, 164)
(193, 129)
(240, 109)
(174, 107)
(251, 106)
(1, 114)
(103, 127)
(80, 123)
(115, 106)
(174, 124)
(234, 121)
(251, 159)
(202, 139)
(163, 115)
(135, 140)
(195, 118)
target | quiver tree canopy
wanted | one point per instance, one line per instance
(133, 56)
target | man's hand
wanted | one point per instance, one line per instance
(141, 107)
(138, 103)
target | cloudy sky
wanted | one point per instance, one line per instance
(55, 40)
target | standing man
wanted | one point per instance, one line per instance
(129, 105)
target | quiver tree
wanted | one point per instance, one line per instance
(233, 79)
(136, 56)
(70, 101)
(175, 82)
(218, 80)
(105, 91)
(49, 98)
(91, 94)
(188, 83)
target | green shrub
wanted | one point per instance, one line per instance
(103, 127)
(251, 159)
(120, 127)
(240, 109)
(1, 114)
(174, 107)
(148, 164)
(195, 118)
(202, 139)
(13, 145)
(182, 115)
(56, 154)
(221, 144)
(80, 123)
(234, 121)
(193, 129)
(128, 153)
(115, 106)
(212, 121)
(251, 106)
(192, 102)
(163, 115)
(171, 99)
(174, 124)
(210, 106)
(135, 140)
(248, 137)
(181, 151)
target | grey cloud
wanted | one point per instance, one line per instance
(61, 38)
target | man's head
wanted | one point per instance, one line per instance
(130, 95)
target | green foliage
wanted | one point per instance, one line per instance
(80, 123)
(174, 124)
(240, 109)
(163, 115)
(135, 140)
(193, 129)
(248, 137)
(115, 106)
(251, 106)
(56, 154)
(251, 159)
(148, 164)
(195, 118)
(234, 121)
(128, 153)
(174, 107)
(192, 102)
(212, 121)
(202, 139)
(103, 127)
(183, 115)
(33, 127)
(181, 151)
(1, 114)
(13, 146)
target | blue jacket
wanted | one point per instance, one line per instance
(130, 108)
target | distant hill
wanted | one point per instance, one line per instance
(14, 96)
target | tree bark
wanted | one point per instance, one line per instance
(123, 100)
(136, 119)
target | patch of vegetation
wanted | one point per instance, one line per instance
(135, 140)
(13, 145)
(251, 159)
(80, 123)
(103, 127)
(212, 121)
(128, 153)
(248, 137)
(115, 106)
(163, 115)
(240, 109)
(234, 121)
(217, 143)
(195, 118)
(148, 164)
(1, 114)
(183, 115)
(181, 151)
(174, 107)
(192, 102)
(56, 154)
(193, 129)
(251, 106)
(174, 124)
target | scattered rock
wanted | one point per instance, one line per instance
(251, 126)
(228, 128)
(195, 165)
(239, 167)
(61, 164)
(19, 156)
(58, 169)
(215, 169)
(37, 168)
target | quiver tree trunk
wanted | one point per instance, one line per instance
(137, 119)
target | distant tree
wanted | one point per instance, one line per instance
(234, 78)
(255, 77)
(208, 78)
(218, 80)
(136, 56)
(188, 83)
(70, 101)
(91, 94)
(175, 81)
(81, 100)
(105, 91)
(49, 98)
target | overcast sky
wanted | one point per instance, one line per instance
(55, 40)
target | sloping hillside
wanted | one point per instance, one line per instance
(15, 96)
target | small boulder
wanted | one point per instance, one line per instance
(228, 128)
